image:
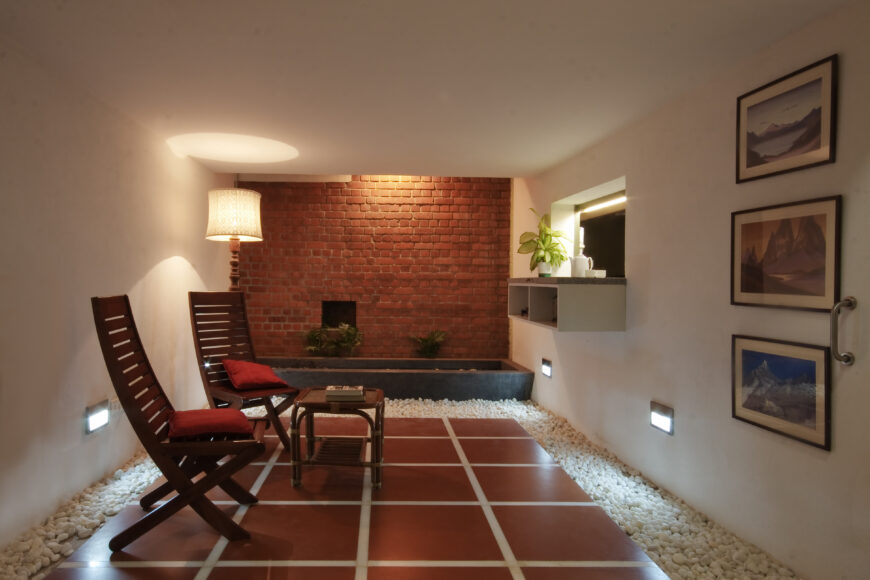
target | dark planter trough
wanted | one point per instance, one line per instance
(412, 378)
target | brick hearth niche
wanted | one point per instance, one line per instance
(414, 253)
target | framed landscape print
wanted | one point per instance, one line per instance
(783, 387)
(788, 255)
(788, 124)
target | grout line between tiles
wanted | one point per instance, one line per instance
(500, 538)
(142, 564)
(522, 437)
(586, 564)
(334, 502)
(545, 503)
(222, 542)
(426, 464)
(285, 563)
(365, 517)
(438, 563)
(422, 464)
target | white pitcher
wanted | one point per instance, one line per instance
(580, 265)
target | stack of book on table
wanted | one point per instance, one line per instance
(344, 393)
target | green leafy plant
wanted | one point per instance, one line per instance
(319, 343)
(349, 337)
(545, 245)
(429, 345)
(341, 341)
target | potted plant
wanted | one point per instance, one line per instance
(429, 345)
(341, 341)
(318, 342)
(547, 251)
(349, 337)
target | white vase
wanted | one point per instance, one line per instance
(545, 270)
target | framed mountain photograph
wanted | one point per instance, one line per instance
(788, 255)
(783, 387)
(788, 124)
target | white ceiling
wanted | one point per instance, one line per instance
(442, 87)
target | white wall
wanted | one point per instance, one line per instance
(808, 507)
(92, 205)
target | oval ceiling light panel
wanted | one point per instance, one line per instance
(230, 147)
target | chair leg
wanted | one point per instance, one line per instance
(193, 494)
(285, 404)
(148, 500)
(219, 520)
(230, 485)
(272, 413)
(237, 492)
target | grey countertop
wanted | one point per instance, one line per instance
(565, 280)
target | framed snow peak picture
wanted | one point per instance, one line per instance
(784, 387)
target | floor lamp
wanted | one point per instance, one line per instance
(234, 217)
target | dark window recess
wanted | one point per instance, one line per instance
(335, 312)
(605, 242)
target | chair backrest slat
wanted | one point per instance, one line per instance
(220, 330)
(138, 390)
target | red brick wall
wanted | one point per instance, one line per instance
(415, 253)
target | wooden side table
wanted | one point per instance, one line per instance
(337, 450)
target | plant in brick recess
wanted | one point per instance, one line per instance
(349, 337)
(341, 341)
(547, 251)
(429, 345)
(319, 343)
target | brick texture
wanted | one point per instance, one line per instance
(415, 253)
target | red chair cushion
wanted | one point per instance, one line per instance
(201, 422)
(250, 375)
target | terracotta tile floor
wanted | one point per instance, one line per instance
(462, 499)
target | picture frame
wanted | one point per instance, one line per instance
(783, 387)
(789, 123)
(787, 255)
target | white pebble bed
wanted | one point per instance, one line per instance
(682, 541)
(34, 553)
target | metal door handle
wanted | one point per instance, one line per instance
(846, 358)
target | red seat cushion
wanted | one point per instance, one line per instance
(201, 422)
(250, 375)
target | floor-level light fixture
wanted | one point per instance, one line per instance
(661, 417)
(547, 368)
(234, 217)
(96, 416)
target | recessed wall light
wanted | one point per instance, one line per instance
(231, 148)
(604, 204)
(546, 368)
(661, 417)
(97, 416)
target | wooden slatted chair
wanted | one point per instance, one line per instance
(220, 331)
(183, 444)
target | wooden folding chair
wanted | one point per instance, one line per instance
(220, 331)
(183, 444)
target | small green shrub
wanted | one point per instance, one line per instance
(341, 341)
(349, 337)
(429, 345)
(318, 342)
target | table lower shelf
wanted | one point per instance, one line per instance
(340, 451)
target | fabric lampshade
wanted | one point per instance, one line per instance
(234, 213)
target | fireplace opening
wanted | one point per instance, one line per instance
(335, 312)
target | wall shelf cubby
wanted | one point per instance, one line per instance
(569, 304)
